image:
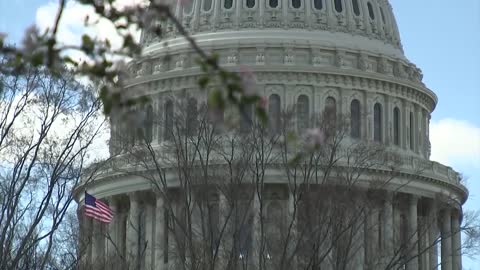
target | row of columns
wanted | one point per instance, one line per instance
(391, 230)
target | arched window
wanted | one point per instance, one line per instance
(274, 113)
(356, 8)
(250, 3)
(355, 119)
(396, 126)
(411, 131)
(303, 110)
(338, 5)
(330, 115)
(383, 15)
(370, 11)
(246, 118)
(188, 7)
(227, 4)
(318, 4)
(192, 113)
(377, 122)
(273, 3)
(168, 128)
(207, 5)
(296, 3)
(149, 124)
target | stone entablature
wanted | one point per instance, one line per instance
(300, 57)
(375, 22)
(410, 171)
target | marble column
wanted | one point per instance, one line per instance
(161, 259)
(433, 235)
(98, 241)
(388, 234)
(446, 244)
(133, 226)
(292, 214)
(111, 241)
(456, 241)
(256, 231)
(89, 240)
(372, 238)
(225, 240)
(83, 237)
(149, 235)
(412, 263)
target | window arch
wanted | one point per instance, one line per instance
(296, 3)
(411, 131)
(377, 122)
(192, 113)
(274, 113)
(188, 7)
(383, 16)
(330, 114)
(396, 126)
(207, 5)
(227, 4)
(355, 119)
(370, 11)
(273, 3)
(318, 4)
(338, 5)
(356, 7)
(168, 131)
(250, 3)
(303, 110)
(149, 124)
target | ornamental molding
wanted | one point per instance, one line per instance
(323, 77)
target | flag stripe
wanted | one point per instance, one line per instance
(97, 209)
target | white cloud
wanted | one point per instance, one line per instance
(455, 141)
(72, 22)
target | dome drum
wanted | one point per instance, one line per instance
(317, 63)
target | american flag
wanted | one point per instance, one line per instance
(97, 209)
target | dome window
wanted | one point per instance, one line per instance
(149, 124)
(412, 146)
(338, 5)
(396, 126)
(302, 113)
(188, 7)
(227, 4)
(274, 113)
(273, 3)
(356, 8)
(355, 119)
(250, 3)
(370, 11)
(377, 122)
(168, 131)
(318, 4)
(296, 3)
(207, 5)
(383, 15)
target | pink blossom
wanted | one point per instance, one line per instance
(314, 137)
(263, 102)
(249, 81)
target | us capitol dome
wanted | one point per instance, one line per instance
(180, 202)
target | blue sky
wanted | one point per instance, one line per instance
(442, 37)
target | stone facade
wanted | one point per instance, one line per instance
(315, 50)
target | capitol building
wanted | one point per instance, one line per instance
(194, 191)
